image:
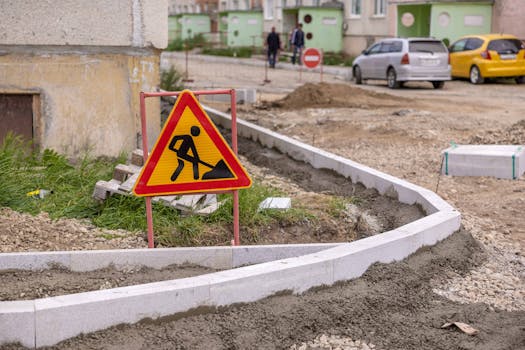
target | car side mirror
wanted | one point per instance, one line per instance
(364, 52)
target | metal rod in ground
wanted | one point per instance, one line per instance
(439, 174)
(265, 81)
(187, 74)
(322, 59)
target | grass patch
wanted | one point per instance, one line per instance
(242, 52)
(337, 59)
(338, 205)
(171, 80)
(23, 171)
(187, 44)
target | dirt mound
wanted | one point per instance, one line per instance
(336, 96)
(513, 135)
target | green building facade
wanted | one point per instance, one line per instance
(323, 27)
(186, 26)
(444, 20)
(241, 28)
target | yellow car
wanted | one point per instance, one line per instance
(478, 57)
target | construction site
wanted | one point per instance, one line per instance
(423, 248)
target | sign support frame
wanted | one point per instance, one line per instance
(319, 64)
(149, 209)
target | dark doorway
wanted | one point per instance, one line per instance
(16, 115)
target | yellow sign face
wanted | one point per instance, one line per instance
(190, 156)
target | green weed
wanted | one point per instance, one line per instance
(337, 205)
(171, 80)
(241, 52)
(72, 183)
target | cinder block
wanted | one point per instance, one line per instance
(17, 322)
(137, 158)
(123, 171)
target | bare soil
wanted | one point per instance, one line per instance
(28, 285)
(396, 306)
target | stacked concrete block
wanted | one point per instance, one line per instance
(125, 176)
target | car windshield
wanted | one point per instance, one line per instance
(505, 45)
(426, 46)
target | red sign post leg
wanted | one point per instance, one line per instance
(236, 238)
(149, 211)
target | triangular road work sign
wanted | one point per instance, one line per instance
(190, 156)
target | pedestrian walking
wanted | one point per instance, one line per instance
(297, 43)
(273, 44)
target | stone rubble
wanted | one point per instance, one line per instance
(334, 342)
(500, 281)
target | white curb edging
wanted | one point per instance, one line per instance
(213, 257)
(44, 322)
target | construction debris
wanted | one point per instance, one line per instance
(465, 328)
(282, 203)
(125, 176)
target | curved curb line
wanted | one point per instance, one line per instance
(44, 322)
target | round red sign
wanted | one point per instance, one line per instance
(311, 57)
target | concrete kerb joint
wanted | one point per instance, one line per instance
(271, 269)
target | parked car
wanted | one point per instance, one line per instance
(478, 57)
(398, 60)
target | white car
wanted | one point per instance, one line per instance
(398, 60)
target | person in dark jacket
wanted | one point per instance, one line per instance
(273, 43)
(297, 43)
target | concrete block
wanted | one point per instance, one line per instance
(33, 260)
(127, 185)
(63, 317)
(17, 322)
(294, 274)
(188, 201)
(250, 255)
(276, 203)
(241, 96)
(123, 171)
(137, 158)
(500, 161)
(214, 257)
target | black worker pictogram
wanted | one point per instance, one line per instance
(186, 151)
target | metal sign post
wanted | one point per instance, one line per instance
(312, 58)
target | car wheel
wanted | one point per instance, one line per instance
(520, 80)
(438, 84)
(391, 78)
(475, 75)
(357, 75)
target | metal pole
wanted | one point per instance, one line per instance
(322, 59)
(187, 78)
(236, 238)
(266, 70)
(149, 211)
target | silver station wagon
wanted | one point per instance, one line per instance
(399, 60)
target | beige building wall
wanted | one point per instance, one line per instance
(85, 62)
(364, 29)
(508, 16)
